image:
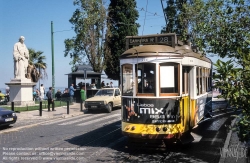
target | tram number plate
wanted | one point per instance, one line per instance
(8, 119)
(93, 106)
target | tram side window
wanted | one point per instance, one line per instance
(145, 73)
(127, 79)
(169, 78)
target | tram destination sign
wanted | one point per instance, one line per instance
(152, 40)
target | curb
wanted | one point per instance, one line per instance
(222, 159)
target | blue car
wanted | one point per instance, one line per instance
(7, 117)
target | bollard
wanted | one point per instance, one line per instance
(12, 106)
(81, 104)
(67, 107)
(40, 109)
(53, 106)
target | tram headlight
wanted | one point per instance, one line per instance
(158, 129)
(133, 128)
(164, 129)
(127, 128)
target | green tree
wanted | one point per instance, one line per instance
(121, 22)
(221, 27)
(37, 59)
(175, 23)
(234, 83)
(89, 22)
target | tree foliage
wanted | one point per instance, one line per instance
(37, 59)
(89, 23)
(235, 85)
(175, 23)
(120, 23)
(221, 27)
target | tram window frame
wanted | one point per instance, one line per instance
(209, 85)
(185, 79)
(198, 82)
(147, 76)
(204, 87)
(125, 82)
(176, 88)
(200, 75)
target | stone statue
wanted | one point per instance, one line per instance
(32, 73)
(21, 59)
(29, 68)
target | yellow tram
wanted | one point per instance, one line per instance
(166, 87)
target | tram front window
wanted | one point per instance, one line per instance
(127, 79)
(145, 78)
(169, 78)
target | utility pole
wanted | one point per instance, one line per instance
(52, 54)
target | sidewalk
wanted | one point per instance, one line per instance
(234, 150)
(60, 112)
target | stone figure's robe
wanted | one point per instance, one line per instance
(21, 59)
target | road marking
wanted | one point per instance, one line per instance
(97, 120)
(66, 119)
(79, 120)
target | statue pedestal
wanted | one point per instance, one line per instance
(21, 92)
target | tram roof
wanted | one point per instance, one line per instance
(147, 50)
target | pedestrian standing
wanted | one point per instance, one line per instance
(102, 84)
(42, 92)
(49, 98)
(71, 92)
(111, 85)
(83, 95)
(37, 94)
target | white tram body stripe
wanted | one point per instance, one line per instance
(188, 61)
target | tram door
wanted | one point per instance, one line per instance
(185, 103)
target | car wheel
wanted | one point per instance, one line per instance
(110, 106)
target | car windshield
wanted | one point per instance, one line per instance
(105, 92)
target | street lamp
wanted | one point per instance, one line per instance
(52, 54)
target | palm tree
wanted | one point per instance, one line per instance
(37, 60)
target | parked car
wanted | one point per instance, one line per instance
(7, 117)
(104, 99)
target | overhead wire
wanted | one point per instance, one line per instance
(144, 18)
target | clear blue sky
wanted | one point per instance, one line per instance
(32, 19)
